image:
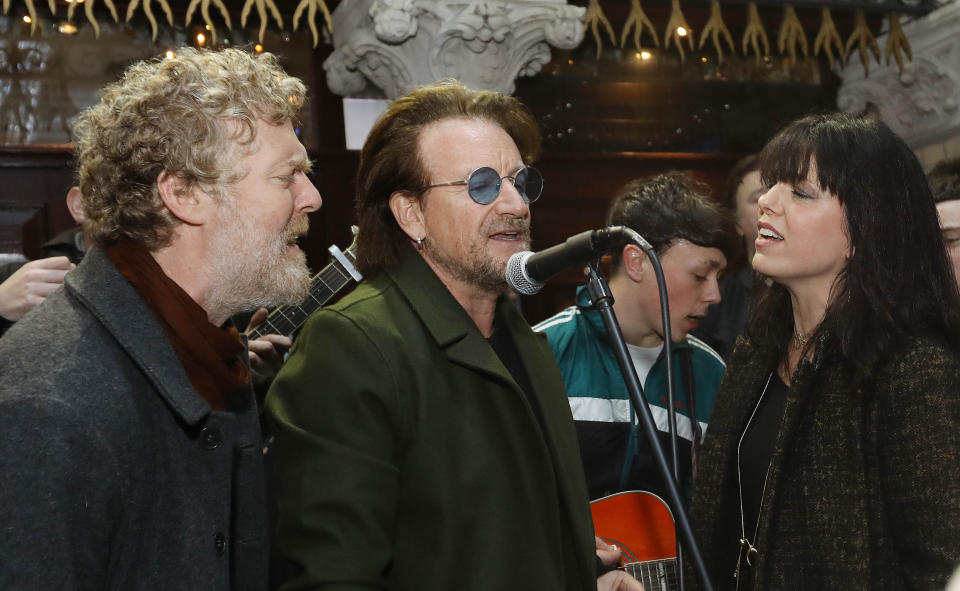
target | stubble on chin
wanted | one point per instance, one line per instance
(250, 271)
(478, 267)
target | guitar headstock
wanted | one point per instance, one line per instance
(351, 251)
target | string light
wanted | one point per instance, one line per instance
(67, 28)
(681, 31)
(27, 19)
(201, 39)
(169, 54)
(258, 48)
(703, 59)
(208, 27)
(645, 55)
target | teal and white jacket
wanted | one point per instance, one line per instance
(615, 452)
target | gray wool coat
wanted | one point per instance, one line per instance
(114, 472)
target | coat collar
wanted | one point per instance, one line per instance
(446, 320)
(456, 334)
(114, 302)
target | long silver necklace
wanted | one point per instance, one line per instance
(748, 552)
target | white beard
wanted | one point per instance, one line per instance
(251, 269)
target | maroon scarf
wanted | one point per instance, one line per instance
(212, 356)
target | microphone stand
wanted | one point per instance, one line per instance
(602, 298)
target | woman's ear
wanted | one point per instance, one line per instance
(407, 209)
(188, 204)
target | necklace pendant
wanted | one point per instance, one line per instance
(751, 551)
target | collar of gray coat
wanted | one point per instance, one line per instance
(100, 287)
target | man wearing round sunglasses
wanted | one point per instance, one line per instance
(423, 438)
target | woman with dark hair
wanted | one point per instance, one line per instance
(831, 459)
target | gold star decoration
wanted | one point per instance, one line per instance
(148, 11)
(311, 6)
(32, 11)
(828, 38)
(864, 39)
(754, 33)
(674, 25)
(262, 6)
(791, 34)
(88, 10)
(593, 19)
(638, 19)
(205, 13)
(715, 27)
(897, 42)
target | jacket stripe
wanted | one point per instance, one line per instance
(606, 410)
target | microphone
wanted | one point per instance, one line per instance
(527, 271)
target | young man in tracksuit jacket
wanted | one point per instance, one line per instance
(693, 239)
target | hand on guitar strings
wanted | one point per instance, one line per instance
(615, 580)
(618, 580)
(609, 553)
(266, 353)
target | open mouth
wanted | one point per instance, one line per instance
(769, 233)
(511, 235)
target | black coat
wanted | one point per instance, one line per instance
(864, 486)
(115, 473)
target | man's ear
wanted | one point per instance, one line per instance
(408, 211)
(190, 205)
(633, 259)
(75, 204)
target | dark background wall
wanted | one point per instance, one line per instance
(605, 119)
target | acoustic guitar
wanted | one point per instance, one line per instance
(641, 525)
(285, 320)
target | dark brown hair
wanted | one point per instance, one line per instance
(391, 161)
(742, 168)
(945, 180)
(898, 281)
(667, 207)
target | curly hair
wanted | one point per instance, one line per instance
(898, 281)
(672, 206)
(192, 116)
(391, 161)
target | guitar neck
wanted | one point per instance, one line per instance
(285, 320)
(655, 575)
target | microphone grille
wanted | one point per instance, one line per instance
(517, 277)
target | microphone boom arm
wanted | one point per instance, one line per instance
(602, 298)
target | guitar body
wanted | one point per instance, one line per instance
(641, 525)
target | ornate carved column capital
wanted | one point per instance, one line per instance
(920, 104)
(487, 44)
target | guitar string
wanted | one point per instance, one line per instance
(333, 268)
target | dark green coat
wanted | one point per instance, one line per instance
(408, 458)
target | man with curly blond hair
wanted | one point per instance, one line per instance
(132, 453)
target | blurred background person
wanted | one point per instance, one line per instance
(726, 319)
(944, 181)
(23, 285)
(831, 460)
